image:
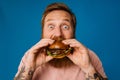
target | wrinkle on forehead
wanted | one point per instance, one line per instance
(58, 15)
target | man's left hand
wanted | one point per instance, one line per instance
(80, 54)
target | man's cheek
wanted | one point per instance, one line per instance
(68, 35)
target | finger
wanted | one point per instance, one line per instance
(73, 43)
(69, 41)
(42, 59)
(48, 41)
(48, 58)
(70, 56)
(42, 43)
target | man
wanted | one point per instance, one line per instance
(82, 64)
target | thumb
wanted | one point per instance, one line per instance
(70, 56)
(48, 58)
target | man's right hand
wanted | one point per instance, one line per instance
(36, 55)
(33, 58)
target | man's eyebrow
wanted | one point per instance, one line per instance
(53, 20)
(66, 20)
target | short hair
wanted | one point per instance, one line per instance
(59, 6)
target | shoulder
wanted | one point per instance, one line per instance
(96, 62)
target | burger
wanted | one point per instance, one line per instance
(58, 49)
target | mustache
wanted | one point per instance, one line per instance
(57, 38)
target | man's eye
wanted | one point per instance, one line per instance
(51, 26)
(65, 27)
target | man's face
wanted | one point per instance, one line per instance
(58, 24)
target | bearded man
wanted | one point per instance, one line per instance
(76, 62)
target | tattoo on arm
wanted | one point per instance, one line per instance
(96, 76)
(24, 74)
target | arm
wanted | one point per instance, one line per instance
(25, 74)
(26, 68)
(97, 68)
(92, 74)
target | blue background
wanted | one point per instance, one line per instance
(98, 28)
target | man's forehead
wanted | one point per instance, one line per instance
(58, 15)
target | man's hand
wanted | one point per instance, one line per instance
(33, 58)
(36, 55)
(81, 58)
(80, 54)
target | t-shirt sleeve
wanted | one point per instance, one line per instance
(97, 63)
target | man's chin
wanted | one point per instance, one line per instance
(61, 62)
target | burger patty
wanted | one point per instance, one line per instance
(56, 51)
(59, 51)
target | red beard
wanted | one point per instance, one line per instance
(60, 63)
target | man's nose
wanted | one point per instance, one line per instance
(58, 32)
